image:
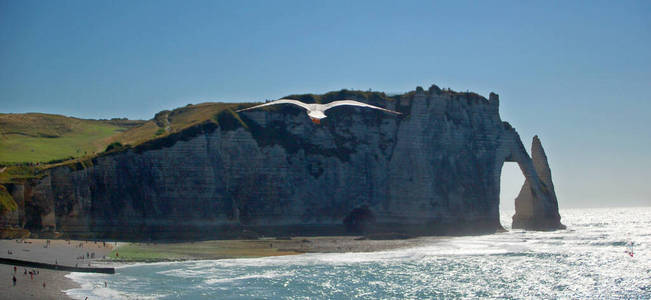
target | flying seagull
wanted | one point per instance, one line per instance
(316, 111)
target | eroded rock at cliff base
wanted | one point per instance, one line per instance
(536, 207)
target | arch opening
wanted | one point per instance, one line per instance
(511, 181)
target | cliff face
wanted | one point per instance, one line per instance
(433, 170)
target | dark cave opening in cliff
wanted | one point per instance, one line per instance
(359, 220)
(511, 181)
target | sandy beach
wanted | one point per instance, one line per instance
(27, 288)
(68, 253)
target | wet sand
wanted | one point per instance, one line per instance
(226, 249)
(61, 252)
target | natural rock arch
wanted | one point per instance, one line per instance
(536, 206)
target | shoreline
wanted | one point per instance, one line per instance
(117, 254)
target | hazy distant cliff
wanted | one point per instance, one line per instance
(435, 169)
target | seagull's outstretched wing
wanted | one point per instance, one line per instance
(281, 101)
(356, 103)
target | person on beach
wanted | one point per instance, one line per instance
(43, 284)
(14, 280)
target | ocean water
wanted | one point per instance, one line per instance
(587, 261)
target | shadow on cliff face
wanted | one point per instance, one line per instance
(33, 217)
(359, 220)
(277, 133)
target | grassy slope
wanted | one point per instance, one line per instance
(172, 121)
(35, 137)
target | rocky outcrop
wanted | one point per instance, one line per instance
(433, 170)
(536, 206)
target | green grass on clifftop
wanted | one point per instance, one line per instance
(36, 137)
(168, 122)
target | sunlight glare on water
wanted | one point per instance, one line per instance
(585, 261)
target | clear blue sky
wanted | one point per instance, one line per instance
(575, 73)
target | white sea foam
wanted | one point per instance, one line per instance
(266, 275)
(92, 286)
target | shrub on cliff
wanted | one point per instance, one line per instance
(7, 203)
(114, 146)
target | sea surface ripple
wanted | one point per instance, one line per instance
(587, 260)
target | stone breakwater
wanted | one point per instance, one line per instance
(433, 170)
(40, 265)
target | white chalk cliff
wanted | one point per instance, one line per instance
(433, 170)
